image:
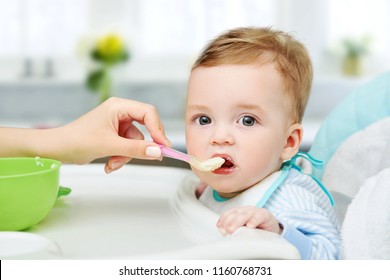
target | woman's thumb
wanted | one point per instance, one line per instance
(140, 149)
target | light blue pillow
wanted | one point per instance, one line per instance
(360, 108)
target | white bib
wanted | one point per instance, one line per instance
(250, 197)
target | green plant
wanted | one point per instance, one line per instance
(107, 53)
(356, 47)
(353, 50)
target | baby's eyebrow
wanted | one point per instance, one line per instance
(250, 107)
(197, 107)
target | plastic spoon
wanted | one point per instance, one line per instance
(207, 165)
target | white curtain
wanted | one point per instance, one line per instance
(179, 28)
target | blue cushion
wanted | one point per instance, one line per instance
(360, 108)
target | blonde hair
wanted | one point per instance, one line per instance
(261, 45)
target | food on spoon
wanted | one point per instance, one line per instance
(207, 165)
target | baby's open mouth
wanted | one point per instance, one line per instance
(227, 167)
(227, 164)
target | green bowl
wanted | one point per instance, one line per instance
(28, 190)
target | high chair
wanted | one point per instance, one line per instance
(354, 142)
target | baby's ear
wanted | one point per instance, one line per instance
(293, 141)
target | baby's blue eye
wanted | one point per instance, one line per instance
(247, 121)
(203, 120)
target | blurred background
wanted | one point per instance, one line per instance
(47, 49)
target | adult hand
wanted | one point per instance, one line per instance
(109, 130)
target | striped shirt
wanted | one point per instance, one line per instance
(304, 210)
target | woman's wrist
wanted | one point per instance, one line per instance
(42, 143)
(23, 142)
(45, 143)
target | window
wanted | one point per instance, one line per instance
(53, 27)
(41, 28)
(177, 29)
(358, 18)
(183, 27)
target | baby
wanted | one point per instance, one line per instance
(247, 93)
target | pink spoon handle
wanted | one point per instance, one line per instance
(172, 153)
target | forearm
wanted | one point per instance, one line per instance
(22, 142)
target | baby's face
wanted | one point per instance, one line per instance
(240, 113)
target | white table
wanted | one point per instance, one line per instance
(127, 215)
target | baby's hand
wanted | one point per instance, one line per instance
(250, 216)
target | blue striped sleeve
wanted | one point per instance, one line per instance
(299, 240)
(307, 216)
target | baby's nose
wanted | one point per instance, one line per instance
(221, 136)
